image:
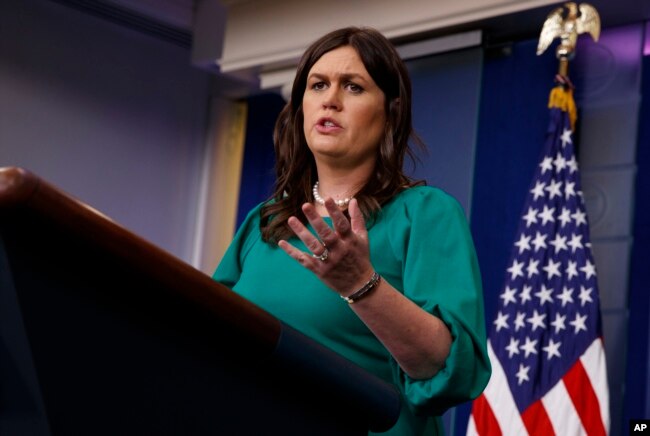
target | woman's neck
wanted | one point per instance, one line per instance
(339, 185)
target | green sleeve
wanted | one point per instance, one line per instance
(441, 274)
(230, 267)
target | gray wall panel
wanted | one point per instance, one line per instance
(609, 195)
(608, 97)
(615, 328)
(612, 259)
(609, 133)
(110, 115)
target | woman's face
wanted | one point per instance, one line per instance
(344, 117)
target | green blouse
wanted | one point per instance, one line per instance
(419, 243)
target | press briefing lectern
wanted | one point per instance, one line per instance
(102, 333)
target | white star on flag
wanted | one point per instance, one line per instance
(552, 349)
(516, 269)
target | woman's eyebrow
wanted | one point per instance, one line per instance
(343, 76)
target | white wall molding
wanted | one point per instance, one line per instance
(442, 44)
(264, 35)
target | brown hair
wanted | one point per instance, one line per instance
(295, 165)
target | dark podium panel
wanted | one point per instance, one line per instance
(102, 333)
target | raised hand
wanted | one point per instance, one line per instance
(340, 256)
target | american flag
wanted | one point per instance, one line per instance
(545, 345)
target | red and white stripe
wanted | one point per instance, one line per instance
(577, 405)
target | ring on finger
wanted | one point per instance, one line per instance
(323, 256)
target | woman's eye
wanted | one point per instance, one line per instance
(318, 86)
(353, 87)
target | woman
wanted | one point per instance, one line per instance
(350, 224)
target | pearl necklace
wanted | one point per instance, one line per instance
(319, 199)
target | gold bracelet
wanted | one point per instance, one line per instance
(365, 289)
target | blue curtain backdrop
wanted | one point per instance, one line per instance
(512, 126)
(637, 386)
(258, 174)
(446, 95)
(513, 119)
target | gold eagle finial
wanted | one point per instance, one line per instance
(568, 29)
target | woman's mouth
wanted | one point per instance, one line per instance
(327, 125)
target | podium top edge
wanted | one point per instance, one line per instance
(16, 185)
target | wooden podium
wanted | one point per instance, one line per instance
(102, 333)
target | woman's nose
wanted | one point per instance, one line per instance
(332, 99)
